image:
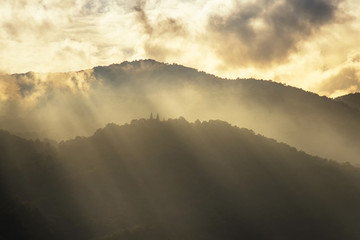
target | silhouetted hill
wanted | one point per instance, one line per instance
(173, 179)
(178, 180)
(352, 100)
(315, 124)
(64, 105)
(35, 202)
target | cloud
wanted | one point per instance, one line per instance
(161, 25)
(33, 33)
(266, 32)
(8, 88)
(291, 41)
(343, 79)
(163, 33)
(143, 18)
(28, 88)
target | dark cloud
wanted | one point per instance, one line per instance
(142, 17)
(26, 84)
(161, 32)
(268, 31)
(161, 27)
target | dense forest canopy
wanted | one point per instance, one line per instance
(172, 179)
(352, 100)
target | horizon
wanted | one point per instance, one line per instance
(333, 96)
(311, 44)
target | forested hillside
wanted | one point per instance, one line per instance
(153, 179)
(36, 201)
(63, 105)
(352, 100)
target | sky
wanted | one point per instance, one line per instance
(311, 44)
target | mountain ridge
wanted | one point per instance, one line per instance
(176, 179)
(82, 102)
(352, 100)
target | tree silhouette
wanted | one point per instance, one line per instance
(173, 180)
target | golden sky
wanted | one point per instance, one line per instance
(312, 44)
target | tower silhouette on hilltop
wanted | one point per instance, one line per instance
(152, 117)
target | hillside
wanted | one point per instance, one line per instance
(173, 179)
(36, 202)
(352, 100)
(62, 105)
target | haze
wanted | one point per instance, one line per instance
(173, 120)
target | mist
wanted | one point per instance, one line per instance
(173, 179)
(245, 126)
(147, 150)
(65, 105)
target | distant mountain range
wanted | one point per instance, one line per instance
(63, 105)
(154, 179)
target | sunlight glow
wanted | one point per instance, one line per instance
(78, 34)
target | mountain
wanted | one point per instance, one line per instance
(153, 179)
(35, 197)
(352, 100)
(62, 105)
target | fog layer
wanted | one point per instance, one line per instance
(63, 105)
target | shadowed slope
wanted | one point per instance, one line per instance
(177, 180)
(36, 201)
(352, 100)
(174, 180)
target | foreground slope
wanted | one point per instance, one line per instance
(36, 202)
(209, 180)
(173, 179)
(63, 105)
